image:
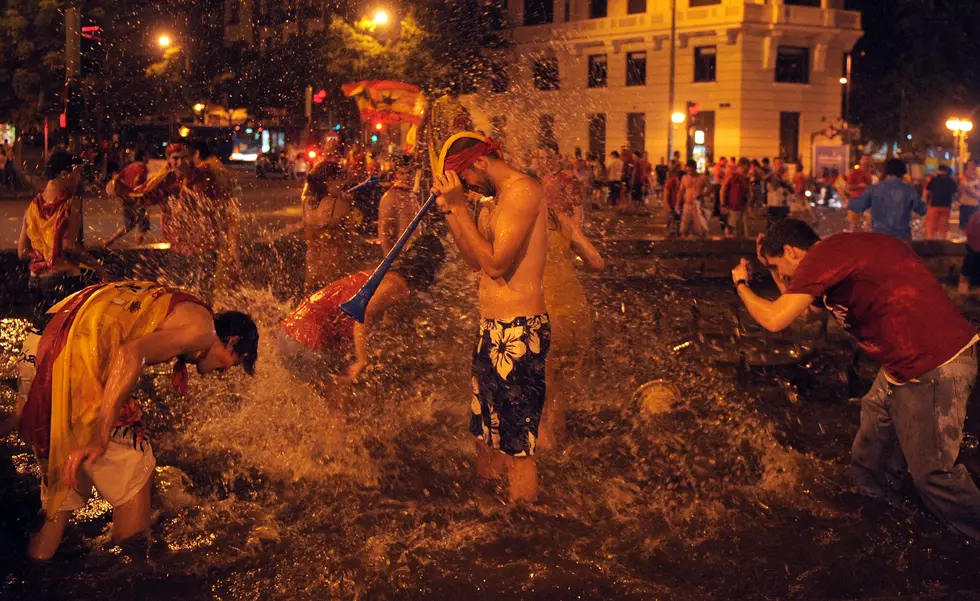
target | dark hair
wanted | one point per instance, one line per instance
(615, 154)
(228, 324)
(202, 147)
(59, 162)
(765, 161)
(744, 162)
(323, 172)
(945, 168)
(638, 154)
(140, 156)
(793, 232)
(692, 163)
(895, 167)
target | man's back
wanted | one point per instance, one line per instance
(892, 203)
(615, 170)
(520, 292)
(942, 190)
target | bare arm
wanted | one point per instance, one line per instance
(195, 334)
(518, 211)
(388, 221)
(581, 245)
(23, 242)
(393, 290)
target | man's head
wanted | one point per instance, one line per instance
(403, 169)
(237, 344)
(777, 165)
(765, 162)
(894, 168)
(784, 245)
(944, 170)
(179, 158)
(614, 154)
(722, 161)
(141, 156)
(971, 169)
(201, 148)
(865, 162)
(578, 153)
(471, 156)
(692, 167)
(61, 166)
(743, 166)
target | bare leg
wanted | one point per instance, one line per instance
(132, 517)
(488, 461)
(522, 478)
(44, 542)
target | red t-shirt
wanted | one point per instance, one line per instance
(737, 198)
(131, 177)
(882, 293)
(858, 181)
(318, 323)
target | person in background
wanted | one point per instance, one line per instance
(891, 202)
(969, 193)
(970, 270)
(614, 175)
(939, 195)
(662, 172)
(735, 200)
(640, 179)
(121, 187)
(800, 205)
(695, 189)
(49, 236)
(600, 183)
(778, 190)
(858, 181)
(674, 202)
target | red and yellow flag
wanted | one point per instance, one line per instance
(387, 102)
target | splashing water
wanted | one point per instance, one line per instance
(287, 486)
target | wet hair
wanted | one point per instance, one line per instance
(945, 168)
(793, 232)
(59, 162)
(323, 172)
(229, 324)
(692, 163)
(463, 143)
(895, 167)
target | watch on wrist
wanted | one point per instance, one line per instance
(740, 282)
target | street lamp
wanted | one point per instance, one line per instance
(843, 81)
(959, 127)
(380, 18)
(164, 41)
(198, 107)
(678, 118)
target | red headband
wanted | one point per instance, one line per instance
(175, 147)
(461, 161)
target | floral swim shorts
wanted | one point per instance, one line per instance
(508, 382)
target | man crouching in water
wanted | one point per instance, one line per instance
(508, 246)
(80, 415)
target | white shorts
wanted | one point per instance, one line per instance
(118, 475)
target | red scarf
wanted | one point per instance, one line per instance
(461, 161)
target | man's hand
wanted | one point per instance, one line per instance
(741, 271)
(87, 456)
(450, 190)
(354, 371)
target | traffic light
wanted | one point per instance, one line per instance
(92, 47)
(73, 103)
(693, 108)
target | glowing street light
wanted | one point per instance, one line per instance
(843, 81)
(678, 118)
(164, 41)
(380, 18)
(198, 107)
(959, 127)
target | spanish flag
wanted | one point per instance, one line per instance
(387, 102)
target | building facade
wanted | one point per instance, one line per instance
(763, 76)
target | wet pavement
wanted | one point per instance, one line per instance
(288, 487)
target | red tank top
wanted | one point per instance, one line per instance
(318, 323)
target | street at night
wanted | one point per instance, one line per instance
(489, 299)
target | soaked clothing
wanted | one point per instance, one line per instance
(72, 361)
(926, 420)
(509, 382)
(883, 295)
(318, 323)
(46, 225)
(420, 262)
(892, 203)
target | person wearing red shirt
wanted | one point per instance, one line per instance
(858, 181)
(122, 185)
(673, 201)
(884, 296)
(735, 200)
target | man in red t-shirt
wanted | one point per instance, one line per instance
(131, 177)
(735, 200)
(884, 296)
(858, 181)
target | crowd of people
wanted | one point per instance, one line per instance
(522, 234)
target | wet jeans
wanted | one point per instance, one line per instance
(918, 427)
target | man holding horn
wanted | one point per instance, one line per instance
(508, 244)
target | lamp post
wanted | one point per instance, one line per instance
(846, 82)
(959, 127)
(670, 81)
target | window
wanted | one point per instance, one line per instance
(636, 130)
(793, 65)
(546, 74)
(499, 83)
(539, 12)
(598, 71)
(598, 9)
(636, 69)
(234, 11)
(498, 128)
(568, 10)
(636, 7)
(546, 133)
(705, 63)
(597, 135)
(789, 136)
(701, 137)
(696, 3)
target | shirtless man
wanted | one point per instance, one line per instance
(509, 247)
(694, 187)
(398, 206)
(90, 432)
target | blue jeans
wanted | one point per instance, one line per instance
(965, 213)
(918, 427)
